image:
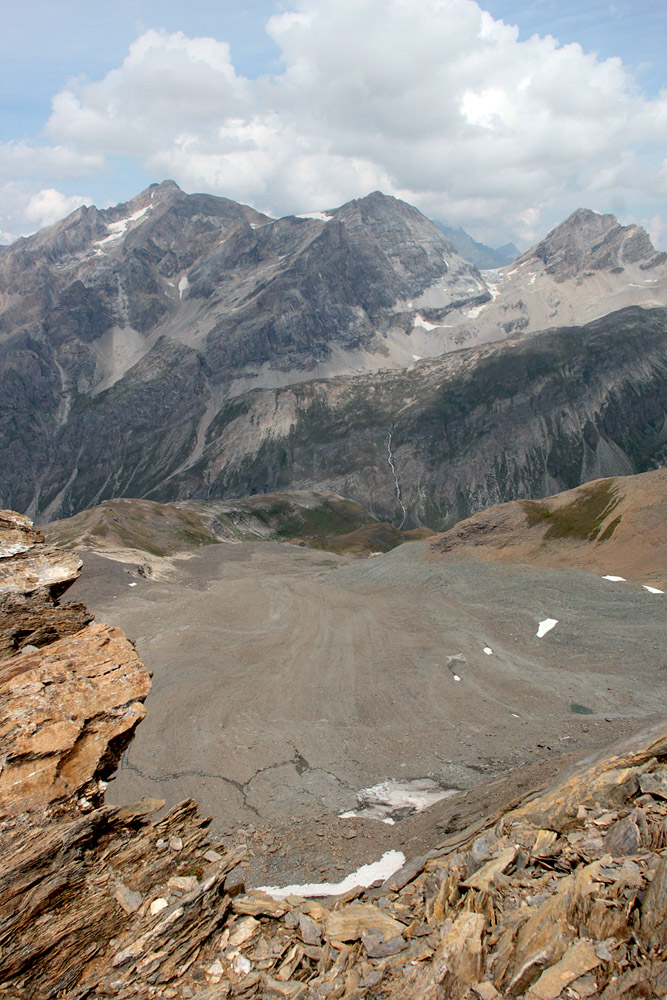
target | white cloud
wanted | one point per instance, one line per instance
(434, 101)
(49, 205)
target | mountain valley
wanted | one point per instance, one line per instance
(187, 347)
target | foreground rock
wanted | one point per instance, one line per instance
(32, 577)
(562, 894)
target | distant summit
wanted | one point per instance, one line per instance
(476, 253)
(587, 241)
(184, 345)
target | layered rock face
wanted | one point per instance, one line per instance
(587, 241)
(133, 338)
(524, 418)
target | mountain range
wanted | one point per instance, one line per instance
(476, 253)
(185, 346)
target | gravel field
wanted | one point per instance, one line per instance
(286, 680)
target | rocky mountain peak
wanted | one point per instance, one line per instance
(587, 241)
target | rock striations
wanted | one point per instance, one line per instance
(184, 346)
(562, 894)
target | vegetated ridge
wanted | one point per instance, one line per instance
(609, 526)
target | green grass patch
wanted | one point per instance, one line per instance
(581, 519)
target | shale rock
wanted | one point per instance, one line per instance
(97, 901)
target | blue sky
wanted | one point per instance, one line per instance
(431, 100)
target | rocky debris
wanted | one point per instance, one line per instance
(33, 575)
(563, 894)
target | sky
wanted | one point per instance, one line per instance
(501, 117)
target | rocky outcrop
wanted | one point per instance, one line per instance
(524, 418)
(587, 241)
(66, 714)
(565, 890)
(32, 577)
(71, 694)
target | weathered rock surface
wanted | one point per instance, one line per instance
(587, 241)
(66, 714)
(97, 901)
(523, 418)
(32, 576)
(141, 333)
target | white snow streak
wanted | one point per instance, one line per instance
(389, 863)
(183, 286)
(615, 579)
(116, 229)
(652, 590)
(546, 626)
(488, 651)
(424, 323)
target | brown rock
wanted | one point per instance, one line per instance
(577, 960)
(378, 946)
(483, 879)
(485, 991)
(310, 932)
(350, 922)
(255, 903)
(36, 619)
(654, 909)
(545, 936)
(610, 778)
(623, 838)
(66, 714)
(459, 959)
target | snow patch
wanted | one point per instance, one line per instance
(456, 677)
(546, 626)
(474, 312)
(131, 584)
(488, 651)
(615, 579)
(116, 229)
(417, 357)
(183, 286)
(320, 216)
(390, 798)
(424, 323)
(389, 863)
(652, 590)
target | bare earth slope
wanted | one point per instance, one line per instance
(609, 526)
(562, 892)
(285, 680)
